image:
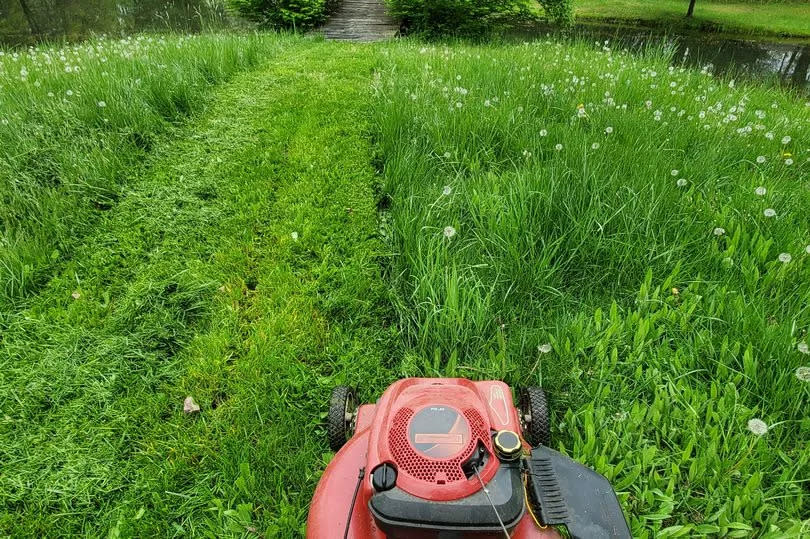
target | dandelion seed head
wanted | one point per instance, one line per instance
(760, 191)
(803, 374)
(543, 132)
(608, 130)
(102, 104)
(595, 146)
(757, 426)
(719, 231)
(786, 139)
(558, 147)
(674, 172)
(761, 159)
(769, 212)
(294, 235)
(788, 161)
(449, 232)
(785, 258)
(803, 348)
(681, 182)
(544, 348)
(447, 190)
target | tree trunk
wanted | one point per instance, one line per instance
(691, 9)
(802, 66)
(32, 23)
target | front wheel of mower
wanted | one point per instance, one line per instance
(341, 418)
(534, 416)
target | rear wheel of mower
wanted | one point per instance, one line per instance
(341, 418)
(534, 418)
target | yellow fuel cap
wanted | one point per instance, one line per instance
(507, 445)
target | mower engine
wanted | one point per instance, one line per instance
(448, 457)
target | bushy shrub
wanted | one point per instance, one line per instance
(559, 11)
(285, 13)
(458, 16)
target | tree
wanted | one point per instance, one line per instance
(691, 9)
(32, 23)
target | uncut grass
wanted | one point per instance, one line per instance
(194, 285)
(671, 316)
(76, 119)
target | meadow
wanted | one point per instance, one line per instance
(788, 18)
(629, 234)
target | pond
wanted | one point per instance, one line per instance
(786, 61)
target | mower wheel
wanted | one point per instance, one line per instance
(342, 416)
(534, 418)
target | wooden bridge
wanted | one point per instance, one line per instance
(361, 20)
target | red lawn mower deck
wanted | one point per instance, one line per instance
(451, 458)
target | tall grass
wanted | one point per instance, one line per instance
(599, 223)
(74, 122)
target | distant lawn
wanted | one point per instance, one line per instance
(783, 18)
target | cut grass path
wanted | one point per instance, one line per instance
(195, 285)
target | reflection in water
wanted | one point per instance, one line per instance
(789, 62)
(24, 22)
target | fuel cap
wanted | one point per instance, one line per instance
(507, 445)
(384, 477)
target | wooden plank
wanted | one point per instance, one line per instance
(361, 20)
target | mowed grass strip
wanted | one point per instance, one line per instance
(632, 236)
(76, 120)
(241, 269)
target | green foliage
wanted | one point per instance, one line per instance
(297, 14)
(671, 317)
(559, 11)
(459, 16)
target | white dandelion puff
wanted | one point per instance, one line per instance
(595, 146)
(761, 159)
(544, 348)
(543, 132)
(803, 348)
(786, 139)
(449, 232)
(788, 161)
(294, 236)
(785, 258)
(674, 172)
(101, 104)
(447, 190)
(769, 212)
(803, 374)
(719, 231)
(608, 130)
(760, 191)
(757, 426)
(681, 182)
(558, 147)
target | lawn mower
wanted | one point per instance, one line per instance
(451, 458)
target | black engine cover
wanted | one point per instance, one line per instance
(400, 514)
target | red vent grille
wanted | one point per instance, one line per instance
(427, 469)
